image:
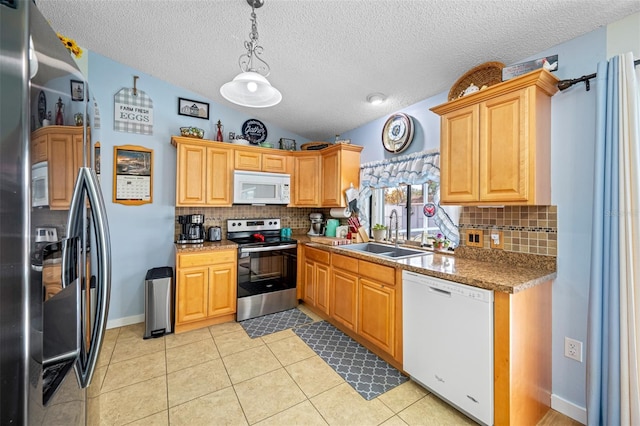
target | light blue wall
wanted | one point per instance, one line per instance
(426, 136)
(572, 165)
(572, 136)
(142, 236)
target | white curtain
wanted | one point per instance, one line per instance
(629, 183)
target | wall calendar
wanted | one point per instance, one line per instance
(132, 175)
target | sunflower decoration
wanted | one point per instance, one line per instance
(71, 45)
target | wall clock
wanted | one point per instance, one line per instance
(42, 107)
(397, 133)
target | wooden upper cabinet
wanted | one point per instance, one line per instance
(62, 148)
(219, 177)
(306, 177)
(275, 163)
(203, 174)
(459, 162)
(255, 159)
(247, 160)
(320, 178)
(339, 170)
(38, 149)
(191, 175)
(495, 144)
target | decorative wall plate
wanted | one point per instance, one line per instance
(397, 133)
(254, 131)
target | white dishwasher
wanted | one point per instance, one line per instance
(448, 341)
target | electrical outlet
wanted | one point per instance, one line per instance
(573, 349)
(474, 238)
(496, 240)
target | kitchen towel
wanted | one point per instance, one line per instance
(340, 213)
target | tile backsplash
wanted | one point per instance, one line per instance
(295, 218)
(526, 229)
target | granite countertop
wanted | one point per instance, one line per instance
(499, 271)
(487, 274)
(206, 246)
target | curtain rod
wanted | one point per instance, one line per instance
(565, 84)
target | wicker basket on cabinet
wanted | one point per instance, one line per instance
(488, 74)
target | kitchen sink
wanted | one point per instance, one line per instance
(384, 250)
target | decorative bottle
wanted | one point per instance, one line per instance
(59, 113)
(219, 135)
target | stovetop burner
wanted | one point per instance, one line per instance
(256, 232)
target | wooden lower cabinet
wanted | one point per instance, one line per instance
(365, 302)
(357, 296)
(343, 300)
(51, 279)
(376, 313)
(205, 289)
(522, 355)
(316, 279)
(191, 295)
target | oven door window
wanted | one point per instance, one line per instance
(266, 271)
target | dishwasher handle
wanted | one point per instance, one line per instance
(440, 291)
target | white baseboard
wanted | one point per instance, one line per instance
(121, 322)
(569, 409)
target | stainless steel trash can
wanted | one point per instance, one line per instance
(158, 302)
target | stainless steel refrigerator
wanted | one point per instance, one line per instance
(55, 254)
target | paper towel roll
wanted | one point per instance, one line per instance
(340, 213)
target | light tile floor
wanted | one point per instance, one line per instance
(219, 376)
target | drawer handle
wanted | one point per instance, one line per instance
(440, 379)
(473, 399)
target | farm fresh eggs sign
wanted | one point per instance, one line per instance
(133, 113)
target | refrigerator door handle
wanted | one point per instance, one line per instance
(88, 183)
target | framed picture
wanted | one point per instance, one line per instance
(288, 144)
(192, 108)
(77, 90)
(132, 175)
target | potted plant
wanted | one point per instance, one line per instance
(440, 242)
(379, 232)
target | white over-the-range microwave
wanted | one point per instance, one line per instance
(261, 188)
(40, 184)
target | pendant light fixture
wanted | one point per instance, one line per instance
(251, 88)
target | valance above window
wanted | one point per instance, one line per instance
(411, 169)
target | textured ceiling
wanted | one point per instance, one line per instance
(326, 56)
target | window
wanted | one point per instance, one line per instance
(408, 201)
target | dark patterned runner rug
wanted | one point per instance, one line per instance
(272, 323)
(367, 373)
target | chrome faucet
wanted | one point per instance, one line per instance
(394, 212)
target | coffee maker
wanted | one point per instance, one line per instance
(192, 229)
(317, 224)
